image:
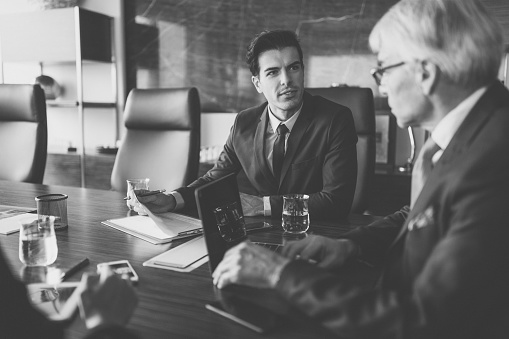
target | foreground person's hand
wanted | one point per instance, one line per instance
(328, 253)
(157, 203)
(106, 299)
(250, 265)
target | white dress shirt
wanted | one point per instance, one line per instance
(270, 138)
(447, 127)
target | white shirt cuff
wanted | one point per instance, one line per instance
(266, 207)
(179, 200)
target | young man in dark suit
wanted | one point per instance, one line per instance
(318, 151)
(444, 259)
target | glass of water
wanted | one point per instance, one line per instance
(37, 241)
(230, 222)
(295, 213)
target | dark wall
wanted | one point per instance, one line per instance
(202, 43)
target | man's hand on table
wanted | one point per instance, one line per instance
(326, 252)
(252, 265)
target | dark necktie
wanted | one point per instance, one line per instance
(422, 168)
(278, 152)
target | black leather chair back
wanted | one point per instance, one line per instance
(361, 103)
(23, 133)
(162, 140)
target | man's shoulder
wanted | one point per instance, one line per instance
(252, 113)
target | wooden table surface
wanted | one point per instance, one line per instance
(171, 304)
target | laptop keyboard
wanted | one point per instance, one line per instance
(271, 246)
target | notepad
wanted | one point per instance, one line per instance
(165, 228)
(183, 258)
(10, 217)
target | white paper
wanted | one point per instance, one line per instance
(183, 258)
(11, 223)
(164, 227)
(142, 224)
(170, 223)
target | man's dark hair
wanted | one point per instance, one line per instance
(269, 40)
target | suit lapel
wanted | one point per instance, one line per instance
(297, 134)
(259, 149)
(461, 141)
(459, 144)
(473, 123)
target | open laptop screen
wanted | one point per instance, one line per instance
(216, 194)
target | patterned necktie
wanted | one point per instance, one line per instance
(278, 152)
(422, 168)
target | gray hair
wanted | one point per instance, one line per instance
(459, 36)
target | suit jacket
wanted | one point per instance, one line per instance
(445, 262)
(19, 320)
(320, 160)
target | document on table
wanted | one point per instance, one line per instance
(157, 229)
(11, 215)
(183, 258)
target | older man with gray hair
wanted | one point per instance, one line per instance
(445, 258)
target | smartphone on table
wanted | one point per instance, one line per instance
(122, 268)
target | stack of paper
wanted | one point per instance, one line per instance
(183, 258)
(10, 217)
(157, 229)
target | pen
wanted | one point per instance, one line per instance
(147, 194)
(196, 231)
(74, 269)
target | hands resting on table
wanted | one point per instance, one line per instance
(252, 265)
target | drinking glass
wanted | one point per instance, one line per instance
(230, 222)
(37, 241)
(135, 184)
(295, 218)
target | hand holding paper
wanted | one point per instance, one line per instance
(168, 222)
(157, 203)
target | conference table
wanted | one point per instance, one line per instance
(171, 304)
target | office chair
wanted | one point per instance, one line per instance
(361, 103)
(23, 133)
(162, 138)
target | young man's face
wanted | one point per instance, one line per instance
(281, 80)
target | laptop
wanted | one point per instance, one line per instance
(257, 309)
(218, 193)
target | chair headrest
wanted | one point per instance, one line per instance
(358, 99)
(19, 102)
(161, 108)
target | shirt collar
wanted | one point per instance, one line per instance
(274, 122)
(447, 127)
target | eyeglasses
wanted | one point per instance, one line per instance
(378, 72)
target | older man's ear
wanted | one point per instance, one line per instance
(427, 75)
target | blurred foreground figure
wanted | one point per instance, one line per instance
(106, 304)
